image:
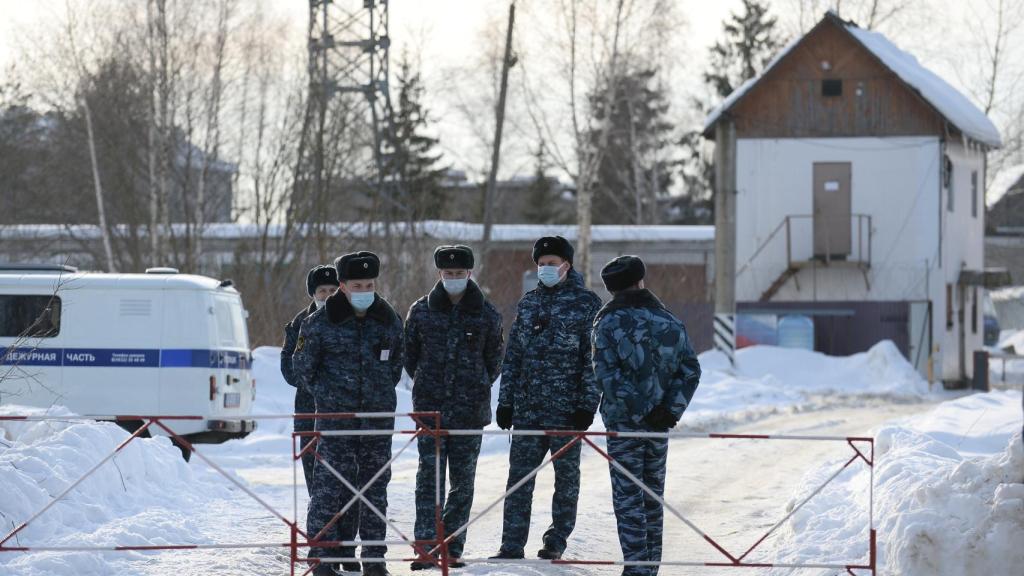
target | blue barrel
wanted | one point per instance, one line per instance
(796, 331)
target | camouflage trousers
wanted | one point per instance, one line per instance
(639, 517)
(304, 404)
(526, 454)
(357, 459)
(458, 457)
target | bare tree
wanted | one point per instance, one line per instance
(82, 75)
(992, 70)
(870, 14)
(586, 49)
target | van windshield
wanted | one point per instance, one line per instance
(231, 323)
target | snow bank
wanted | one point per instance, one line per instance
(144, 496)
(768, 379)
(949, 496)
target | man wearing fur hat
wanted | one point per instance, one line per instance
(321, 283)
(349, 354)
(648, 374)
(547, 382)
(453, 343)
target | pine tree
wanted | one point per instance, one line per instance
(543, 205)
(635, 172)
(416, 157)
(750, 40)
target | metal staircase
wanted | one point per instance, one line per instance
(860, 259)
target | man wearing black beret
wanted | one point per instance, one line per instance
(349, 353)
(547, 382)
(648, 374)
(321, 283)
(453, 343)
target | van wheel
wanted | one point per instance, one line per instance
(186, 454)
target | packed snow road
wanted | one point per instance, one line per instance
(734, 490)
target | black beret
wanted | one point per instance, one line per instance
(320, 275)
(358, 266)
(623, 272)
(458, 256)
(554, 245)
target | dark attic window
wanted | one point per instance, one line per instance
(831, 87)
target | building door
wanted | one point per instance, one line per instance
(832, 210)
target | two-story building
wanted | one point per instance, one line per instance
(859, 199)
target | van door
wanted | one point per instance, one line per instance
(234, 386)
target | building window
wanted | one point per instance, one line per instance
(974, 194)
(36, 316)
(947, 182)
(974, 311)
(831, 87)
(949, 306)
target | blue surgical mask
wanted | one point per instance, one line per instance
(455, 285)
(361, 301)
(549, 275)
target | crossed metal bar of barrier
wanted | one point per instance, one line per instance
(435, 550)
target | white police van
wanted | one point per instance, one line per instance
(159, 343)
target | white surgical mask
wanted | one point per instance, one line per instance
(455, 285)
(319, 303)
(549, 275)
(361, 301)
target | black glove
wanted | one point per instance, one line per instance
(660, 419)
(582, 419)
(503, 415)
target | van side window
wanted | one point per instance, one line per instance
(29, 316)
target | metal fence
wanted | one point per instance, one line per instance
(436, 550)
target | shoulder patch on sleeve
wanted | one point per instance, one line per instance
(300, 343)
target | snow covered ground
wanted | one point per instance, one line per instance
(733, 489)
(949, 495)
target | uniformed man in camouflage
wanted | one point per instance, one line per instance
(547, 382)
(321, 283)
(648, 373)
(453, 343)
(349, 353)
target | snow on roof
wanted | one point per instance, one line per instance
(1004, 180)
(439, 229)
(952, 104)
(946, 99)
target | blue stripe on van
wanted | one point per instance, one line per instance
(112, 357)
(126, 358)
(31, 357)
(204, 359)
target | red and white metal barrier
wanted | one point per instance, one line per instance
(436, 550)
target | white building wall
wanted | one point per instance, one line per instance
(918, 246)
(894, 180)
(963, 249)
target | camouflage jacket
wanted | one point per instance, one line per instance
(349, 363)
(642, 358)
(453, 353)
(291, 336)
(547, 373)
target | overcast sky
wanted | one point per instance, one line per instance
(443, 34)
